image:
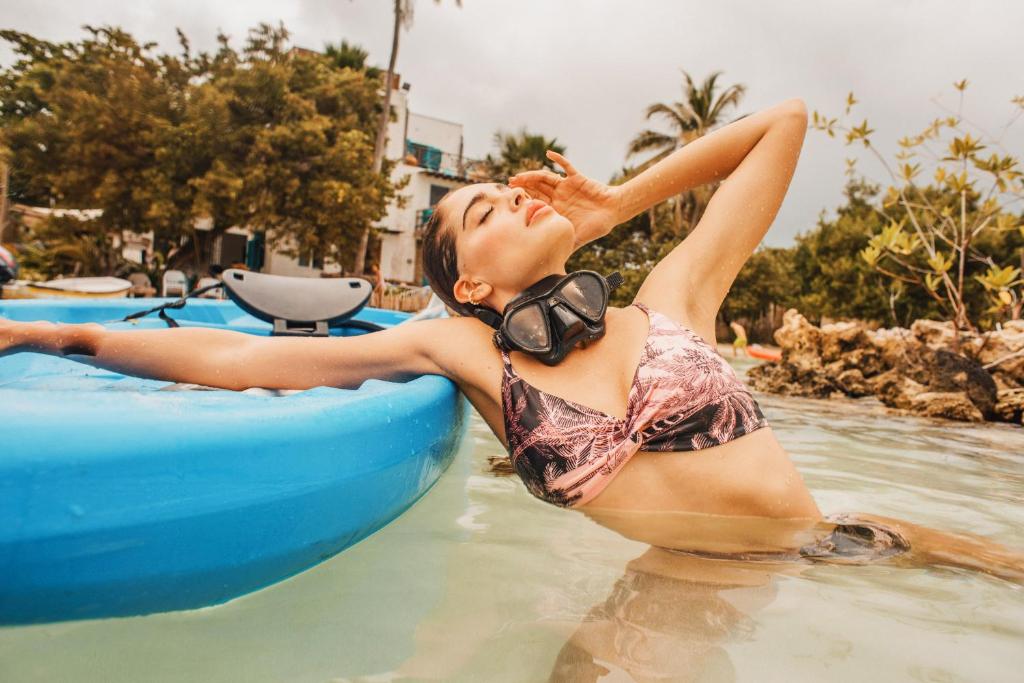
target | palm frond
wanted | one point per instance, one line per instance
(653, 160)
(648, 140)
(676, 118)
(731, 97)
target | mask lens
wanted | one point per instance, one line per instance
(526, 328)
(585, 294)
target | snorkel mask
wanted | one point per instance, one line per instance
(551, 316)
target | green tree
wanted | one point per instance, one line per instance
(264, 137)
(81, 121)
(345, 55)
(834, 281)
(518, 152)
(700, 111)
(934, 235)
(765, 281)
(285, 140)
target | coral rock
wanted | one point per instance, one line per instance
(999, 344)
(895, 346)
(949, 404)
(1010, 405)
(800, 342)
(840, 338)
(852, 383)
(895, 389)
(947, 371)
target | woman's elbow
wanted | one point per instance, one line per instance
(795, 107)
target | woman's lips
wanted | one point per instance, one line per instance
(535, 212)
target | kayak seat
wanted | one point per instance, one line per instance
(299, 306)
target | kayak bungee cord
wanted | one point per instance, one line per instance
(162, 308)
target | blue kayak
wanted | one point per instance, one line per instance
(125, 496)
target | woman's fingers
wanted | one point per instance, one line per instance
(539, 193)
(562, 161)
(539, 183)
(542, 176)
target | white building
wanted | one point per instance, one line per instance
(430, 152)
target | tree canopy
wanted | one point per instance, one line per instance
(941, 238)
(520, 151)
(268, 137)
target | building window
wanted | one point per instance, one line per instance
(311, 259)
(436, 192)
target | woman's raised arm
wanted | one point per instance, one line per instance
(757, 156)
(234, 360)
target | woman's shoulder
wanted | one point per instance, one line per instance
(462, 347)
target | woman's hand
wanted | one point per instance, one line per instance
(593, 208)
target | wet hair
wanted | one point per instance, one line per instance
(440, 261)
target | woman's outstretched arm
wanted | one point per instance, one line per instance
(235, 360)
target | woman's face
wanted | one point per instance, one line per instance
(505, 241)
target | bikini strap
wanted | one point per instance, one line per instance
(506, 360)
(642, 306)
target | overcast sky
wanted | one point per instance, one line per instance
(583, 71)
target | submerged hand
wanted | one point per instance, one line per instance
(592, 207)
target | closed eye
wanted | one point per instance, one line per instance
(488, 213)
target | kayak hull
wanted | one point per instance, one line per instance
(121, 497)
(761, 353)
(77, 288)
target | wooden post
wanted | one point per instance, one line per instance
(4, 171)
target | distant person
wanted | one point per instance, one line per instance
(377, 277)
(740, 342)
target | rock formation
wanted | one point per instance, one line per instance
(916, 370)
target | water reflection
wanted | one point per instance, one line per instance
(667, 618)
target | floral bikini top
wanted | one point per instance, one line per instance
(684, 397)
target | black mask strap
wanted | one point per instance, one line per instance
(486, 315)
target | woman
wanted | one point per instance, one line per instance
(602, 430)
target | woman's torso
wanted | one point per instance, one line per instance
(749, 475)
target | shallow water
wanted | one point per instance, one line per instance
(481, 582)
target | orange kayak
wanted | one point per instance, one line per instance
(761, 353)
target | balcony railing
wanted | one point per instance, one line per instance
(445, 163)
(422, 216)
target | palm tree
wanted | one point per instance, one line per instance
(699, 112)
(403, 18)
(522, 151)
(350, 56)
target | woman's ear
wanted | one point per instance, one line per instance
(471, 291)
